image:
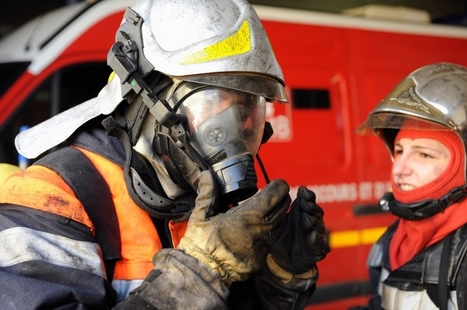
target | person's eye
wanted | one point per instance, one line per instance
(425, 155)
(397, 152)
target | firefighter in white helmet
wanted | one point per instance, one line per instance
(419, 263)
(153, 203)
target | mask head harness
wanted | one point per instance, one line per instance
(128, 62)
(141, 85)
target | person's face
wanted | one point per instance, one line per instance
(418, 162)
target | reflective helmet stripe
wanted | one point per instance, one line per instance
(237, 44)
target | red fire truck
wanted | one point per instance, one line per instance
(337, 68)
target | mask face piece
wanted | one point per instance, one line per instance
(226, 128)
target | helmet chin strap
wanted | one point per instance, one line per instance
(423, 209)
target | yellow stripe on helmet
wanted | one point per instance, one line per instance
(237, 44)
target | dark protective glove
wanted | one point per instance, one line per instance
(235, 244)
(304, 241)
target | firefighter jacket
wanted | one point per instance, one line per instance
(71, 237)
(433, 279)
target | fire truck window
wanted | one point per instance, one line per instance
(310, 99)
(62, 90)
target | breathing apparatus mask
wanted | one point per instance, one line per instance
(226, 128)
(215, 128)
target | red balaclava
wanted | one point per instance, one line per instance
(412, 236)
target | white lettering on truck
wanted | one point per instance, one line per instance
(345, 192)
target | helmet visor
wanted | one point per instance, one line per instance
(224, 123)
(266, 87)
(380, 121)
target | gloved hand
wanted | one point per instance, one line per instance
(235, 243)
(304, 241)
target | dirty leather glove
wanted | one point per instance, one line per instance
(304, 242)
(235, 244)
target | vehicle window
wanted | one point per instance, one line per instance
(80, 83)
(62, 90)
(311, 99)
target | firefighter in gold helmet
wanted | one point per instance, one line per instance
(154, 202)
(419, 263)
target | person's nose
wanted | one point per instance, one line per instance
(247, 124)
(401, 165)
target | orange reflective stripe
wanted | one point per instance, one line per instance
(140, 240)
(40, 188)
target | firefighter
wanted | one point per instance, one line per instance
(149, 199)
(419, 262)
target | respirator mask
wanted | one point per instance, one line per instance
(226, 128)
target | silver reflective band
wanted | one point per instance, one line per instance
(20, 245)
